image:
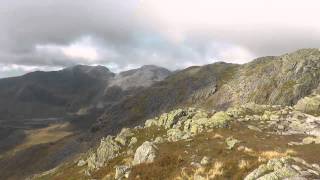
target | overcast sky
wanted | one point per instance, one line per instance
(124, 34)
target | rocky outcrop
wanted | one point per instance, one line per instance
(124, 136)
(179, 124)
(107, 150)
(132, 148)
(283, 120)
(272, 80)
(166, 120)
(309, 105)
(146, 153)
(284, 168)
(182, 124)
(122, 172)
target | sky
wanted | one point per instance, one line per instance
(124, 34)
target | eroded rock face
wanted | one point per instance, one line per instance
(146, 153)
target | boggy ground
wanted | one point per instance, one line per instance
(182, 159)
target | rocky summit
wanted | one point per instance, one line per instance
(255, 121)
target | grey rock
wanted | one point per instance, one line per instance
(177, 135)
(107, 150)
(231, 142)
(122, 172)
(282, 168)
(123, 136)
(254, 128)
(146, 153)
(133, 141)
(198, 177)
(81, 162)
(205, 161)
(159, 140)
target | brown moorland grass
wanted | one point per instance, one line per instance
(178, 160)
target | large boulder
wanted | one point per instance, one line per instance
(219, 120)
(146, 153)
(107, 150)
(309, 105)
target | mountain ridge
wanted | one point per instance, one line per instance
(280, 89)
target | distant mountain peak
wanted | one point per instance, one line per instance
(140, 77)
(87, 68)
(94, 71)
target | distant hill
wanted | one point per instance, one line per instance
(54, 94)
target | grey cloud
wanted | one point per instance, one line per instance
(132, 40)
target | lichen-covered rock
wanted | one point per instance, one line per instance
(205, 161)
(231, 142)
(309, 105)
(255, 174)
(281, 173)
(254, 128)
(150, 122)
(133, 141)
(200, 114)
(177, 135)
(282, 168)
(107, 150)
(219, 119)
(81, 162)
(274, 117)
(169, 119)
(92, 161)
(146, 153)
(197, 128)
(124, 135)
(266, 115)
(310, 140)
(122, 172)
(236, 112)
(315, 131)
(159, 140)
